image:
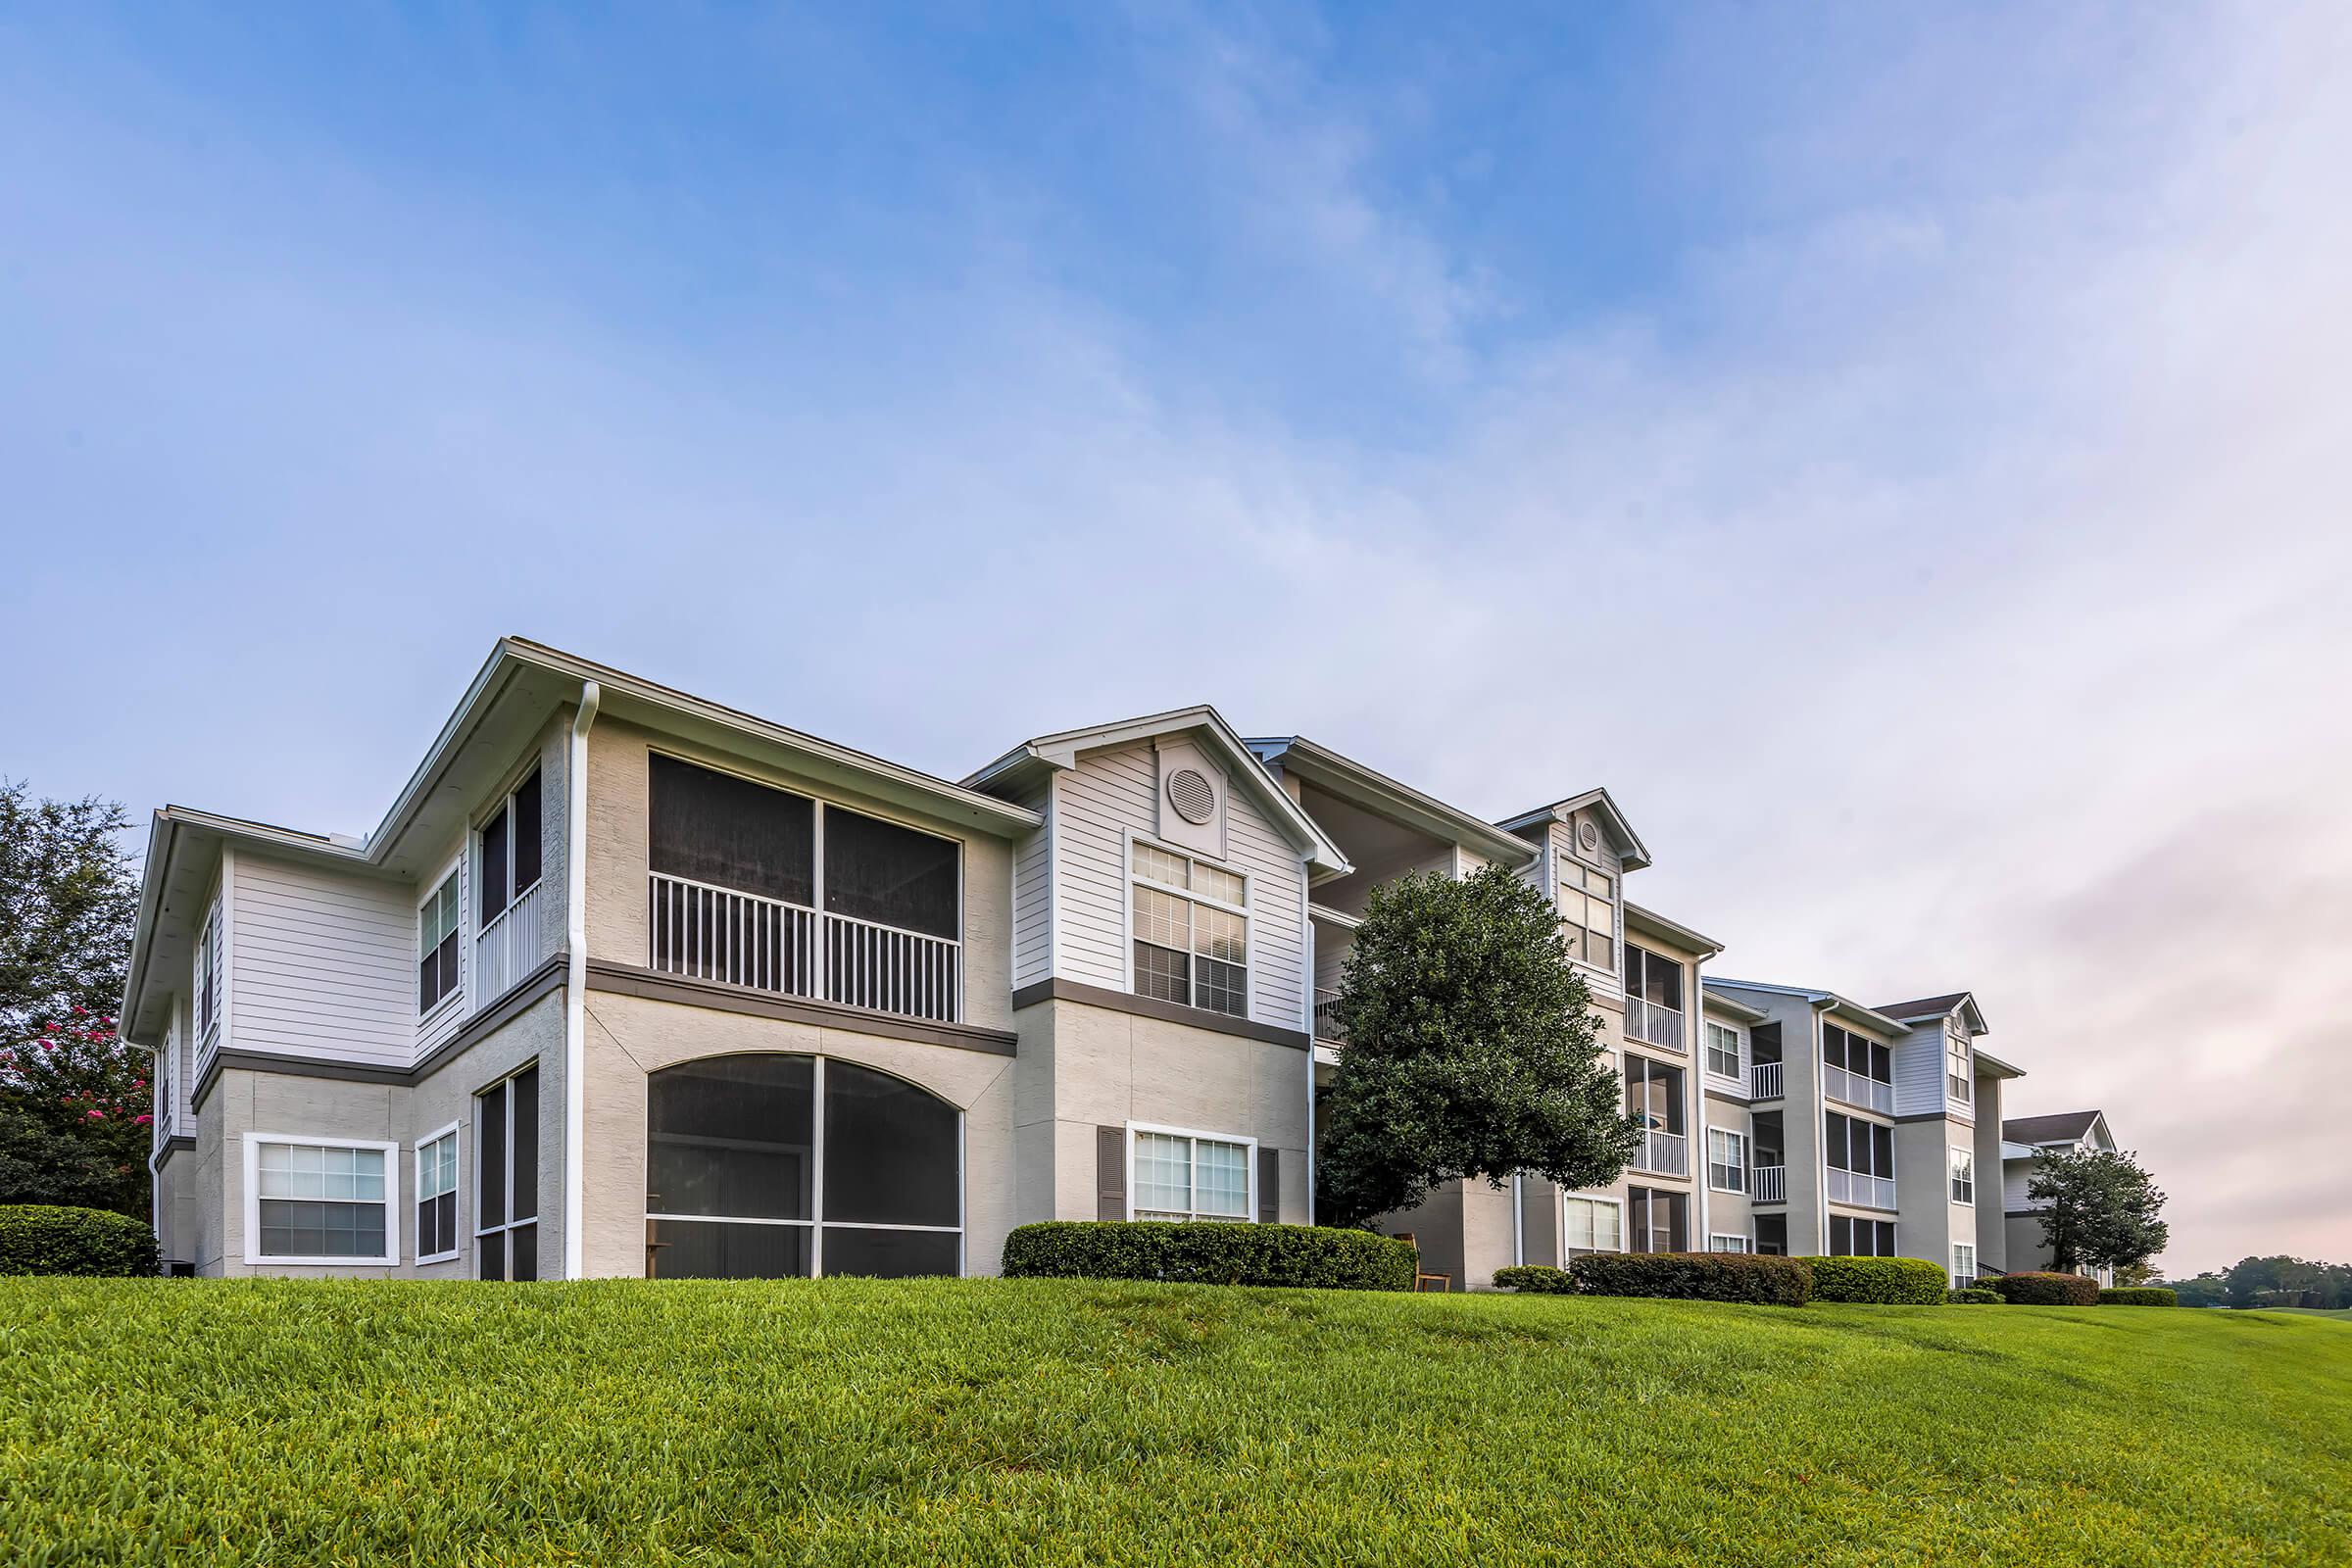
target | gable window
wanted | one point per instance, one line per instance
(208, 973)
(1964, 1265)
(1957, 1075)
(1858, 1071)
(1591, 1225)
(318, 1200)
(437, 946)
(1861, 1238)
(1660, 1220)
(1588, 912)
(437, 1197)
(506, 1178)
(1723, 1050)
(1728, 1243)
(1192, 932)
(1727, 1160)
(1182, 1175)
(1964, 1175)
(1654, 998)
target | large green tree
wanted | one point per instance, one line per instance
(1470, 1052)
(75, 1125)
(2099, 1210)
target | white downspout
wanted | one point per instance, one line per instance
(575, 980)
(1518, 1226)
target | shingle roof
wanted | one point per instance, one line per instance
(1921, 1008)
(2054, 1128)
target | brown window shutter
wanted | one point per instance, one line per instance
(1269, 1185)
(1111, 1173)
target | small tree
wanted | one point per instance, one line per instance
(1470, 1051)
(2099, 1210)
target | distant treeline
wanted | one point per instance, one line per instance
(2271, 1281)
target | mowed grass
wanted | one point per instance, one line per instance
(980, 1421)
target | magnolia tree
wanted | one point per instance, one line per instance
(75, 1123)
(1470, 1051)
(2099, 1210)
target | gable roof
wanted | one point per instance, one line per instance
(1829, 1001)
(2058, 1127)
(1054, 752)
(1939, 1008)
(1630, 845)
(1344, 777)
(1650, 922)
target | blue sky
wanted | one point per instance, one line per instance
(1901, 452)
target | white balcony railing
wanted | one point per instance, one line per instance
(504, 950)
(1852, 1187)
(1663, 1155)
(1327, 1023)
(742, 939)
(1856, 1090)
(1771, 1184)
(1764, 1080)
(1652, 1024)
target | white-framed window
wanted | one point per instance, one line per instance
(1964, 1265)
(506, 1178)
(509, 852)
(208, 972)
(1958, 1076)
(1727, 1160)
(318, 1200)
(1591, 1225)
(1728, 1243)
(1723, 1050)
(437, 1197)
(1588, 911)
(437, 922)
(1191, 930)
(1176, 1173)
(1964, 1175)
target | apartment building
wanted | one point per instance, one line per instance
(2024, 1141)
(629, 983)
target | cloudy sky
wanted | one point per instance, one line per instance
(1903, 455)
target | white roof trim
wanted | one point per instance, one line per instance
(1383, 796)
(1632, 849)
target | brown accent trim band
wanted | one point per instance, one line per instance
(164, 1151)
(549, 976)
(628, 980)
(1937, 1115)
(1152, 1008)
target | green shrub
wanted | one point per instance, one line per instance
(1535, 1279)
(43, 1239)
(2045, 1290)
(1209, 1252)
(2139, 1296)
(1885, 1281)
(1973, 1298)
(1695, 1276)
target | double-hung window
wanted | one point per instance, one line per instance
(1723, 1050)
(1964, 1175)
(1964, 1265)
(1957, 1075)
(1591, 1225)
(1588, 912)
(437, 1197)
(1727, 1160)
(318, 1200)
(208, 973)
(506, 1178)
(1192, 932)
(437, 946)
(511, 850)
(1183, 1175)
(1720, 1243)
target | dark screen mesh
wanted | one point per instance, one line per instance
(731, 1134)
(889, 1151)
(710, 1249)
(730, 832)
(890, 1254)
(525, 1086)
(893, 875)
(527, 843)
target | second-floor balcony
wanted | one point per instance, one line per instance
(744, 939)
(1652, 1024)
(1853, 1187)
(1870, 1093)
(1663, 1153)
(1771, 1184)
(506, 948)
(1327, 1021)
(1764, 1080)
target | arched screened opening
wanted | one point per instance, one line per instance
(768, 1165)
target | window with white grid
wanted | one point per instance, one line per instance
(1723, 1050)
(1588, 912)
(1180, 1175)
(1958, 1076)
(1192, 932)
(1964, 1265)
(1964, 1175)
(1727, 1160)
(1591, 1225)
(318, 1200)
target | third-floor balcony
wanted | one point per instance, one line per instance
(1663, 1153)
(1327, 1019)
(1654, 1025)
(1771, 1184)
(1853, 1088)
(1764, 1080)
(1854, 1187)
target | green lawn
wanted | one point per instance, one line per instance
(2340, 1313)
(982, 1421)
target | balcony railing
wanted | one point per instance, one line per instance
(1327, 1019)
(1856, 1090)
(742, 939)
(504, 950)
(1771, 1184)
(1764, 1080)
(1663, 1155)
(1652, 1024)
(1852, 1187)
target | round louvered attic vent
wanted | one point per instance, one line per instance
(1589, 834)
(1192, 796)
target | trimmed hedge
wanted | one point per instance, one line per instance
(2139, 1296)
(1535, 1279)
(1885, 1281)
(1695, 1276)
(1209, 1252)
(2045, 1290)
(1973, 1298)
(51, 1238)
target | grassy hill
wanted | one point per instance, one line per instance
(983, 1421)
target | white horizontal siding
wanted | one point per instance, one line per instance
(323, 965)
(1033, 895)
(1278, 979)
(2015, 1175)
(1918, 1073)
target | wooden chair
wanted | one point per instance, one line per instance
(1421, 1275)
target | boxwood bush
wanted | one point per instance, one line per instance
(1209, 1252)
(1695, 1276)
(2045, 1290)
(2139, 1296)
(1885, 1281)
(1973, 1296)
(1535, 1279)
(46, 1239)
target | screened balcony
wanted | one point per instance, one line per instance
(1327, 1021)
(1771, 1184)
(758, 887)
